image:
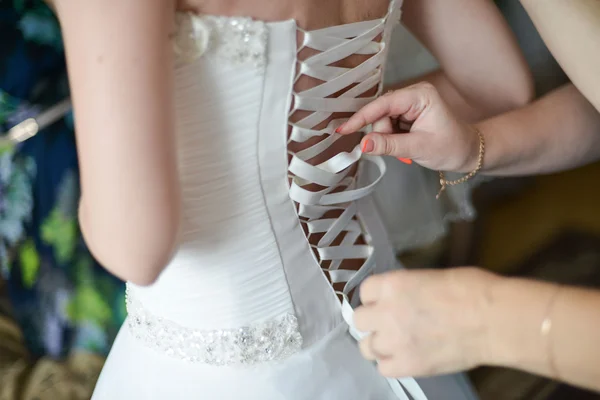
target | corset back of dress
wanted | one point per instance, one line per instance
(244, 257)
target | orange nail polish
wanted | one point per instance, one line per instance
(339, 128)
(405, 160)
(368, 146)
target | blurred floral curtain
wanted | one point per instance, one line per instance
(62, 299)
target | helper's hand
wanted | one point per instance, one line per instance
(436, 139)
(425, 322)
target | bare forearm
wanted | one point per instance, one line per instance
(483, 72)
(455, 100)
(571, 30)
(569, 351)
(558, 132)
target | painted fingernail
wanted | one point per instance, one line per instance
(368, 146)
(339, 128)
(405, 160)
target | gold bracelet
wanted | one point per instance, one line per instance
(546, 330)
(445, 183)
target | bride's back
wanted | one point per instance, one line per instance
(310, 14)
(243, 128)
(258, 97)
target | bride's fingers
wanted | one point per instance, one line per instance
(409, 103)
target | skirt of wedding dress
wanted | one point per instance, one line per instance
(331, 369)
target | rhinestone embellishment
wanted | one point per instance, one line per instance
(267, 341)
(235, 40)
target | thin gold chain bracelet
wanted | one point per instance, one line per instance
(445, 183)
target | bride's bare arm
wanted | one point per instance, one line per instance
(119, 62)
(483, 72)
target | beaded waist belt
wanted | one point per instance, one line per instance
(265, 341)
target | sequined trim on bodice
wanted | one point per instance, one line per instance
(236, 40)
(265, 341)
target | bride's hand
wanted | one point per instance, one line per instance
(436, 140)
(425, 322)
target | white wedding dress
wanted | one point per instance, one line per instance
(245, 310)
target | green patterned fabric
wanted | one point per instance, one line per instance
(62, 298)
